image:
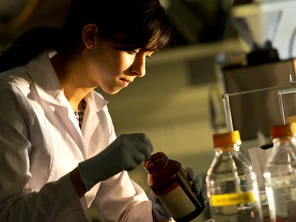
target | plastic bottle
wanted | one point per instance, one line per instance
(168, 180)
(232, 186)
(280, 174)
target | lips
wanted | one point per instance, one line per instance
(124, 82)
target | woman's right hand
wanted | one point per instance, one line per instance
(126, 152)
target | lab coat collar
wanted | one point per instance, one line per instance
(48, 85)
(91, 119)
(95, 101)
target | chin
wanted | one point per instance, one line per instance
(111, 91)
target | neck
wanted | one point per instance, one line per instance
(70, 74)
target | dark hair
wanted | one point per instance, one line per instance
(127, 24)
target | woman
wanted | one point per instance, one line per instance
(58, 149)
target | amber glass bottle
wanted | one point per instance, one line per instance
(168, 180)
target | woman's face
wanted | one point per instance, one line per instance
(110, 69)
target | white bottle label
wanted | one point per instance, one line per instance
(176, 202)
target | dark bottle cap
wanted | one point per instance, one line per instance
(156, 162)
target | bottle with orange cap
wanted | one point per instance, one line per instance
(232, 186)
(280, 174)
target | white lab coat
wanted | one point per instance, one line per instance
(41, 142)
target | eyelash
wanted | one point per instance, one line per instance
(134, 52)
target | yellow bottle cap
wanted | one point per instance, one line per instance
(283, 130)
(227, 139)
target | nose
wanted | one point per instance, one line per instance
(138, 67)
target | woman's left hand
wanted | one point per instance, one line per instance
(198, 187)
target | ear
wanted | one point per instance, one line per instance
(89, 33)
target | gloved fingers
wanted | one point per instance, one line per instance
(153, 198)
(190, 173)
(144, 150)
(144, 139)
(199, 185)
(132, 158)
(197, 180)
(130, 165)
(126, 152)
(158, 209)
(204, 193)
(141, 144)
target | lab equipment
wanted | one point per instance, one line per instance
(232, 186)
(280, 174)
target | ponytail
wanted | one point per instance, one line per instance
(29, 45)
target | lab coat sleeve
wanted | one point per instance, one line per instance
(55, 201)
(119, 198)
